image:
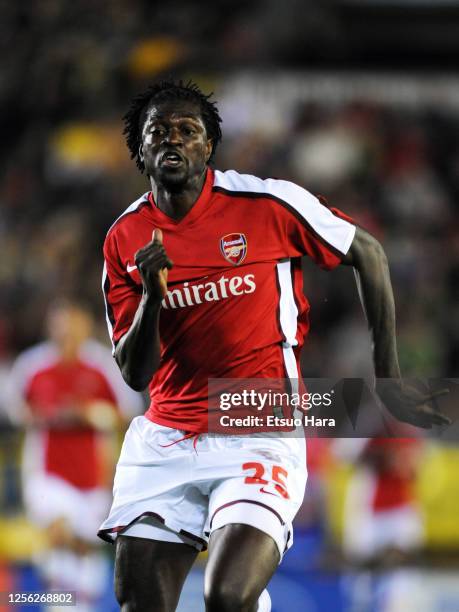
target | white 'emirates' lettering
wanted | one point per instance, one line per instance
(191, 295)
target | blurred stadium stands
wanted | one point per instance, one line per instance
(354, 100)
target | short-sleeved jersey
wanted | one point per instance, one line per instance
(235, 306)
(48, 385)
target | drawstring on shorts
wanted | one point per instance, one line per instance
(187, 436)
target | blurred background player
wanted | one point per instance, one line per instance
(70, 400)
(382, 521)
(383, 530)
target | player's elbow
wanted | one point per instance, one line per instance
(136, 383)
(134, 377)
(138, 386)
(375, 252)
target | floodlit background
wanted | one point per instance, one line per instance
(354, 100)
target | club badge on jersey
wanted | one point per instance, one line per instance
(234, 248)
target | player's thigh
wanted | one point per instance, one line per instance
(149, 574)
(242, 560)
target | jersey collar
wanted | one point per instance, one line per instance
(195, 211)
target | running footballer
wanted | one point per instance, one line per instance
(202, 279)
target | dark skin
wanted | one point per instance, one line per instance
(149, 575)
(175, 150)
(371, 268)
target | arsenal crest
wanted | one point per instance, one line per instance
(234, 248)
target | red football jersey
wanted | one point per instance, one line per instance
(394, 463)
(235, 306)
(49, 385)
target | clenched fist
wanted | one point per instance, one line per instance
(153, 265)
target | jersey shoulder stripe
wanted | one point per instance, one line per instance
(135, 207)
(336, 232)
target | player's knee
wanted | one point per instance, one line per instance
(228, 598)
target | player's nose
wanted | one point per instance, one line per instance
(173, 136)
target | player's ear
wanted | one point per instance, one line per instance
(209, 146)
(141, 153)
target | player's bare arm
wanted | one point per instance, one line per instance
(407, 404)
(138, 352)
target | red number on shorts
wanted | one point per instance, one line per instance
(278, 475)
(257, 477)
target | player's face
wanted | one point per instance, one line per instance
(175, 147)
(68, 325)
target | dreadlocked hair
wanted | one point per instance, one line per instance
(161, 92)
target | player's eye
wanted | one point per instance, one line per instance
(158, 131)
(188, 130)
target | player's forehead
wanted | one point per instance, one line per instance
(173, 109)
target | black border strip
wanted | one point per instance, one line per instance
(295, 265)
(279, 293)
(246, 501)
(108, 306)
(103, 534)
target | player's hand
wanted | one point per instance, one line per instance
(153, 265)
(409, 405)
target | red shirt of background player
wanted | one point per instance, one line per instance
(71, 452)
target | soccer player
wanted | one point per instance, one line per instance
(202, 279)
(69, 394)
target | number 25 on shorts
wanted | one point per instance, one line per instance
(278, 475)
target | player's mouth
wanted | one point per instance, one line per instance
(171, 159)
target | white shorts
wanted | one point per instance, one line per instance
(48, 498)
(172, 489)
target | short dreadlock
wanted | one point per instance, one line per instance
(160, 92)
